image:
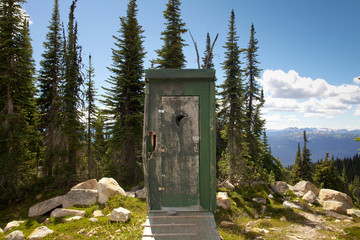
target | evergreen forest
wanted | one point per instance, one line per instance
(54, 132)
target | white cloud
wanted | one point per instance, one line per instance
(357, 80)
(314, 98)
(357, 111)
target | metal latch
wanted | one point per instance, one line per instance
(161, 189)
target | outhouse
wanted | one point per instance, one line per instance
(179, 140)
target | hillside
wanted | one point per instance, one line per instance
(339, 143)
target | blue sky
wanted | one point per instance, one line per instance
(309, 50)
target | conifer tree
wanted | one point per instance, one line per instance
(125, 98)
(233, 161)
(17, 106)
(254, 100)
(99, 145)
(91, 111)
(306, 171)
(49, 101)
(171, 54)
(296, 170)
(73, 129)
(208, 55)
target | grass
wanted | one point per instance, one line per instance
(84, 229)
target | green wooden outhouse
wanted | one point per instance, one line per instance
(179, 140)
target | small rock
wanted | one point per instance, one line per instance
(353, 211)
(130, 194)
(259, 200)
(89, 184)
(1, 231)
(40, 232)
(222, 200)
(227, 184)
(92, 232)
(11, 225)
(120, 215)
(38, 196)
(227, 224)
(82, 231)
(140, 193)
(310, 197)
(73, 218)
(283, 219)
(47, 221)
(94, 220)
(15, 235)
(118, 231)
(288, 204)
(337, 215)
(98, 213)
(337, 220)
(108, 187)
(271, 196)
(62, 212)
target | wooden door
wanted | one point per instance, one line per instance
(180, 136)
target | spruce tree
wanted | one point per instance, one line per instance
(171, 54)
(296, 169)
(233, 162)
(49, 102)
(17, 106)
(91, 111)
(73, 128)
(208, 55)
(125, 98)
(254, 100)
(306, 170)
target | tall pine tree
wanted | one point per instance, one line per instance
(91, 112)
(73, 128)
(49, 101)
(17, 106)
(171, 54)
(125, 99)
(233, 162)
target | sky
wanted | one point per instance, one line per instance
(308, 50)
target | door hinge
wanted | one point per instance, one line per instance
(161, 189)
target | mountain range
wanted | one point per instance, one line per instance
(338, 143)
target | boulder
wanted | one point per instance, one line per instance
(108, 187)
(98, 213)
(89, 184)
(338, 215)
(140, 193)
(63, 212)
(310, 197)
(353, 211)
(80, 197)
(120, 215)
(280, 187)
(334, 206)
(11, 225)
(288, 204)
(302, 187)
(333, 195)
(259, 200)
(15, 235)
(45, 206)
(222, 200)
(40, 232)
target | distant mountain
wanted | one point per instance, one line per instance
(339, 143)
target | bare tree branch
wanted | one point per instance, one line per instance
(197, 52)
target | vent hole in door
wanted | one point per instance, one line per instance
(178, 119)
